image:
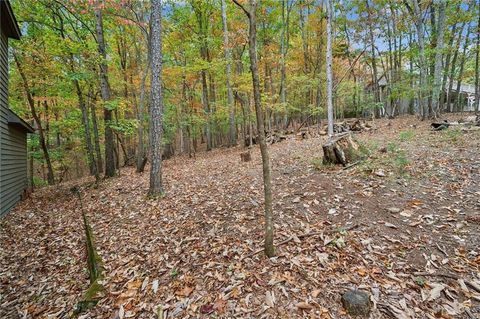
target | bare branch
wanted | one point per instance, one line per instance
(242, 7)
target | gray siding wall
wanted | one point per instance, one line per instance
(13, 148)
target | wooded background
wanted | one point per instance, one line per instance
(81, 72)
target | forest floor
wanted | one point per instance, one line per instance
(393, 226)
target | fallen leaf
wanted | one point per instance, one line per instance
(435, 291)
(304, 306)
(315, 293)
(220, 305)
(155, 286)
(185, 292)
(269, 299)
(390, 225)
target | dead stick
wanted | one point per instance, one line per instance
(351, 165)
(469, 313)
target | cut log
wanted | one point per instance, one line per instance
(341, 149)
(440, 126)
(246, 156)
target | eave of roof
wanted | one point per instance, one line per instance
(14, 119)
(8, 18)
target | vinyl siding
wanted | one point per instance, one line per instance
(13, 143)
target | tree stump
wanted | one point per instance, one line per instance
(340, 149)
(246, 156)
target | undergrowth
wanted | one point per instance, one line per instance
(392, 158)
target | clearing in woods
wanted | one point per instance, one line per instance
(412, 208)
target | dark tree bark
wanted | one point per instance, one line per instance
(110, 166)
(411, 103)
(140, 162)
(96, 135)
(156, 101)
(267, 180)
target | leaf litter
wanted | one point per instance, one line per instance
(410, 240)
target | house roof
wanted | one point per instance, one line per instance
(9, 23)
(15, 120)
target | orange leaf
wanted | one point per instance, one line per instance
(185, 292)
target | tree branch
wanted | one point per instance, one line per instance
(242, 7)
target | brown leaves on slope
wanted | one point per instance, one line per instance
(191, 254)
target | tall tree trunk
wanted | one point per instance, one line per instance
(106, 95)
(284, 42)
(411, 103)
(446, 68)
(431, 57)
(351, 65)
(329, 68)
(417, 15)
(140, 162)
(206, 109)
(96, 136)
(462, 66)
(453, 69)
(202, 21)
(438, 58)
(228, 70)
(86, 124)
(477, 65)
(212, 102)
(267, 180)
(306, 58)
(156, 105)
(376, 89)
(41, 134)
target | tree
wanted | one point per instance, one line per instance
(69, 83)
(228, 70)
(267, 179)
(106, 94)
(329, 68)
(437, 76)
(417, 14)
(41, 132)
(202, 16)
(376, 91)
(284, 43)
(477, 65)
(156, 104)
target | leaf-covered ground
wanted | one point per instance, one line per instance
(402, 225)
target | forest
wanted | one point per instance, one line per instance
(381, 66)
(245, 159)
